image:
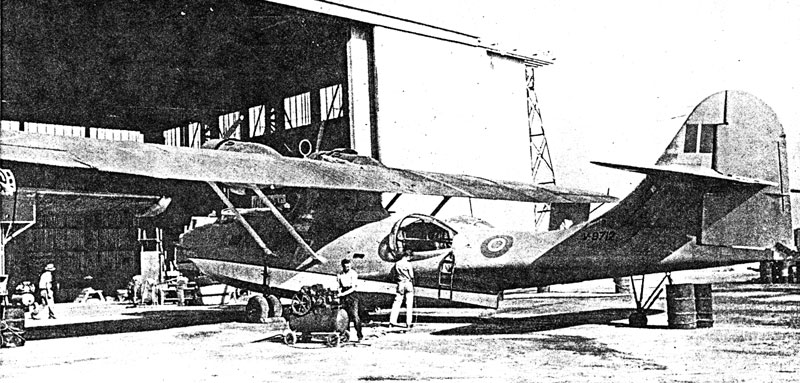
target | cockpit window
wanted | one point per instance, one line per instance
(423, 235)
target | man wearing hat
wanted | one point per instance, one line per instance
(46, 289)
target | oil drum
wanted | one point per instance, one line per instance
(703, 305)
(681, 310)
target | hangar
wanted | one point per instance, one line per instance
(298, 75)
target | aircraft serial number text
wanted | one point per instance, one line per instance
(599, 236)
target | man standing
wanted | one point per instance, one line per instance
(46, 289)
(404, 276)
(348, 281)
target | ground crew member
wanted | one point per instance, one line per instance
(348, 282)
(46, 296)
(404, 276)
(180, 287)
(135, 289)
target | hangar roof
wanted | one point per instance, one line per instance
(152, 65)
(405, 25)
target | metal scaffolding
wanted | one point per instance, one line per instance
(541, 164)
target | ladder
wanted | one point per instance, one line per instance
(151, 253)
(447, 268)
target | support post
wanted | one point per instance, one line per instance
(358, 87)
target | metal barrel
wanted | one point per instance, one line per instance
(622, 285)
(681, 311)
(704, 305)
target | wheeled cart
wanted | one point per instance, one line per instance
(328, 323)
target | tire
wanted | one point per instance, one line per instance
(638, 319)
(289, 338)
(257, 310)
(333, 340)
(275, 308)
(344, 337)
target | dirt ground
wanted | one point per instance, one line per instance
(755, 338)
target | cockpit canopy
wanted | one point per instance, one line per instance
(425, 236)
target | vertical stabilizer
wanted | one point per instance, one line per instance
(737, 135)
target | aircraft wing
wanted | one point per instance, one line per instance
(235, 168)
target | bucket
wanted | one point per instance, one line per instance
(681, 311)
(703, 305)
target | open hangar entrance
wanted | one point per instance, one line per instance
(159, 65)
(163, 72)
(297, 76)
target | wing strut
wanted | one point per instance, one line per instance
(440, 206)
(286, 224)
(394, 199)
(241, 219)
(250, 230)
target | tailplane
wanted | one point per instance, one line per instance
(731, 155)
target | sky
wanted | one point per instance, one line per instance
(627, 73)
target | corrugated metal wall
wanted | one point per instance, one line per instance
(100, 244)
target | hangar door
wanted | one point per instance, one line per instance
(451, 105)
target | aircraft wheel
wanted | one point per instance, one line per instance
(333, 340)
(638, 319)
(275, 308)
(301, 304)
(257, 310)
(344, 337)
(289, 338)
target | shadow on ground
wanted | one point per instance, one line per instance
(139, 321)
(521, 325)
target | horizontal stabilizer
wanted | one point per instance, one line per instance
(692, 171)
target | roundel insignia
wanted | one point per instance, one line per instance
(496, 245)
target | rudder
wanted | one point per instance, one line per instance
(738, 135)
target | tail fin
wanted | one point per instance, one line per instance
(737, 135)
(733, 150)
(733, 133)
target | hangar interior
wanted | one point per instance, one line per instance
(299, 76)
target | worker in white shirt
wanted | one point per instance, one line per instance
(47, 298)
(348, 282)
